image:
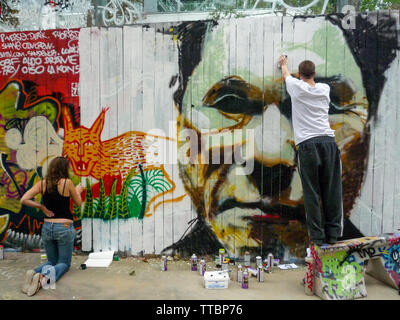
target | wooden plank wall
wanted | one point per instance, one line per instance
(129, 69)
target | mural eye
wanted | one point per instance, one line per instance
(342, 93)
(88, 143)
(74, 143)
(234, 95)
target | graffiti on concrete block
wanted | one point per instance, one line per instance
(340, 268)
(391, 260)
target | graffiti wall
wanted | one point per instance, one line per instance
(184, 139)
(39, 75)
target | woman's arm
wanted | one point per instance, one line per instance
(27, 200)
(75, 192)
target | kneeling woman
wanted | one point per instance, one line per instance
(58, 233)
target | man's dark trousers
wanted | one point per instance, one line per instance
(320, 170)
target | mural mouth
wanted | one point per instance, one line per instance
(82, 166)
(264, 213)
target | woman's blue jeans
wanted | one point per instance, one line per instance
(58, 242)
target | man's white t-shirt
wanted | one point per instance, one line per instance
(310, 106)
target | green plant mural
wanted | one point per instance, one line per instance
(147, 185)
(112, 209)
(88, 207)
(134, 197)
(101, 202)
(123, 210)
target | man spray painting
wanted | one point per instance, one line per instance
(318, 158)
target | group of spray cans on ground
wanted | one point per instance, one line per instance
(222, 262)
(242, 274)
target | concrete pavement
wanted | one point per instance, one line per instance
(149, 283)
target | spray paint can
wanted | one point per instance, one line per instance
(258, 261)
(260, 273)
(225, 264)
(193, 262)
(222, 255)
(164, 263)
(203, 267)
(217, 261)
(43, 258)
(279, 65)
(239, 274)
(1, 252)
(245, 279)
(270, 262)
(309, 280)
(246, 259)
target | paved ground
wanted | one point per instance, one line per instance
(149, 283)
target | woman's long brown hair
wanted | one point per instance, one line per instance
(58, 169)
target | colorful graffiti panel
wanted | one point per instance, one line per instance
(39, 76)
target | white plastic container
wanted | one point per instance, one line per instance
(216, 280)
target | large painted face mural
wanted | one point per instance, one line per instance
(228, 89)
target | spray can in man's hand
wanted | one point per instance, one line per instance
(279, 65)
